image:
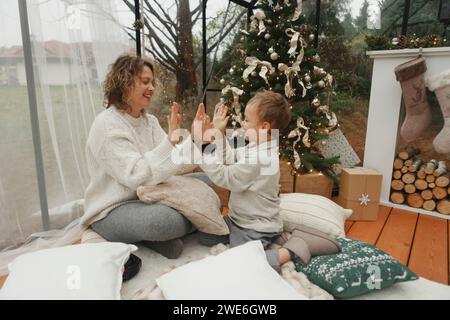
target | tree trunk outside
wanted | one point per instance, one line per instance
(186, 77)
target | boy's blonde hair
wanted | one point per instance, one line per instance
(272, 108)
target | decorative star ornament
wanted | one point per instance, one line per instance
(271, 3)
(364, 199)
(293, 54)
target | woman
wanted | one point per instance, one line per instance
(127, 148)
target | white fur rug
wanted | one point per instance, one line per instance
(143, 285)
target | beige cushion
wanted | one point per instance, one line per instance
(192, 198)
(313, 211)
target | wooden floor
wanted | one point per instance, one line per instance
(419, 241)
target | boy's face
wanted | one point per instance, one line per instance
(252, 123)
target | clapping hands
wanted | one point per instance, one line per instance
(201, 124)
(220, 119)
(174, 122)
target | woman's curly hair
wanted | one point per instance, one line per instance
(120, 79)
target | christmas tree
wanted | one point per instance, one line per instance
(277, 53)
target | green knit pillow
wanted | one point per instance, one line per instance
(359, 268)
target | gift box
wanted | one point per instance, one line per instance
(287, 174)
(338, 145)
(314, 183)
(359, 190)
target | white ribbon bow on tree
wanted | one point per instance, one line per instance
(298, 10)
(297, 133)
(293, 71)
(258, 21)
(290, 73)
(252, 63)
(331, 116)
(236, 94)
(295, 38)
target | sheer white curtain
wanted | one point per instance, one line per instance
(73, 42)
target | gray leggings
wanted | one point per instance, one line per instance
(137, 221)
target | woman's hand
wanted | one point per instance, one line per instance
(200, 124)
(174, 121)
(220, 119)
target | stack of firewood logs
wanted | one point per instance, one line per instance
(420, 184)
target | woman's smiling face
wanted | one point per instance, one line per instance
(141, 94)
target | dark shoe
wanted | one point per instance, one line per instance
(132, 267)
(170, 249)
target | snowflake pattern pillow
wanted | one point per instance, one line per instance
(359, 268)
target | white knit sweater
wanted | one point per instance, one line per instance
(123, 153)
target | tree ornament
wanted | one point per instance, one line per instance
(231, 71)
(328, 79)
(321, 84)
(316, 102)
(316, 71)
(277, 8)
(274, 56)
(312, 37)
(222, 81)
(271, 50)
(316, 58)
(307, 78)
(254, 74)
(293, 54)
(267, 36)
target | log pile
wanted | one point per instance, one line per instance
(420, 184)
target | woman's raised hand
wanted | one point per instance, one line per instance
(200, 124)
(174, 121)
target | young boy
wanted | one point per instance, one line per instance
(253, 178)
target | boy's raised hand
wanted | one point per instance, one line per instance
(220, 119)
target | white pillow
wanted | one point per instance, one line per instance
(314, 211)
(240, 273)
(91, 271)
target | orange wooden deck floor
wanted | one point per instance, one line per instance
(419, 241)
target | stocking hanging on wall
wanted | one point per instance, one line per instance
(440, 84)
(418, 114)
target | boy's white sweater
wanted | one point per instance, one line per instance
(123, 153)
(252, 175)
